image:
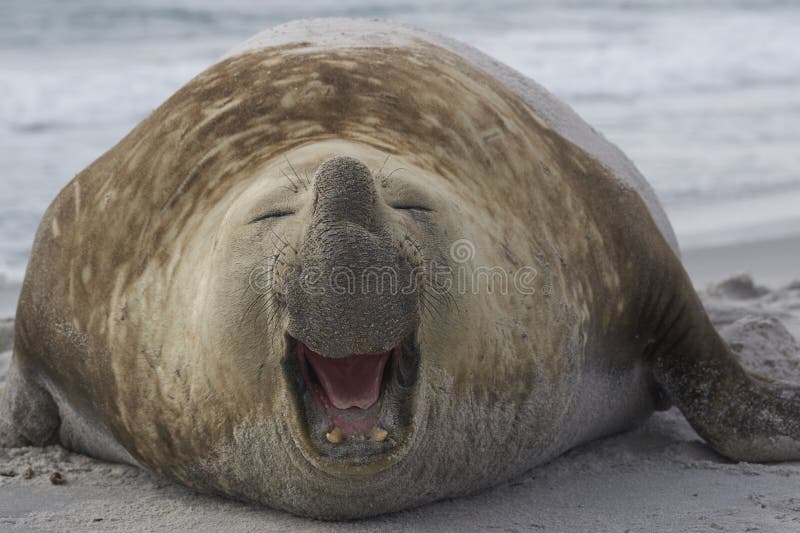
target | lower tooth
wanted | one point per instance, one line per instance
(334, 436)
(378, 433)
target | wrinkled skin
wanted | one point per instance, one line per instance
(172, 282)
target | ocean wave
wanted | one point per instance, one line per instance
(11, 277)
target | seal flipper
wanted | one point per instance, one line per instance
(28, 413)
(742, 416)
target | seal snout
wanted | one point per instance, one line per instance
(353, 291)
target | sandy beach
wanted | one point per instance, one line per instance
(773, 262)
(659, 477)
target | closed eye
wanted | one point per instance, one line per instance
(412, 207)
(272, 214)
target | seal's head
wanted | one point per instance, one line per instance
(324, 266)
(348, 286)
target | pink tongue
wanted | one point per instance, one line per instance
(352, 381)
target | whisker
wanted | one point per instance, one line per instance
(294, 187)
(393, 171)
(434, 306)
(424, 304)
(294, 170)
(284, 242)
(380, 170)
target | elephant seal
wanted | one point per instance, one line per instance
(355, 267)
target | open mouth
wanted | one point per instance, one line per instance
(357, 406)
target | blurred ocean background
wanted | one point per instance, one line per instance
(703, 96)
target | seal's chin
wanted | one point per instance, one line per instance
(354, 410)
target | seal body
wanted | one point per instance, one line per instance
(355, 267)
